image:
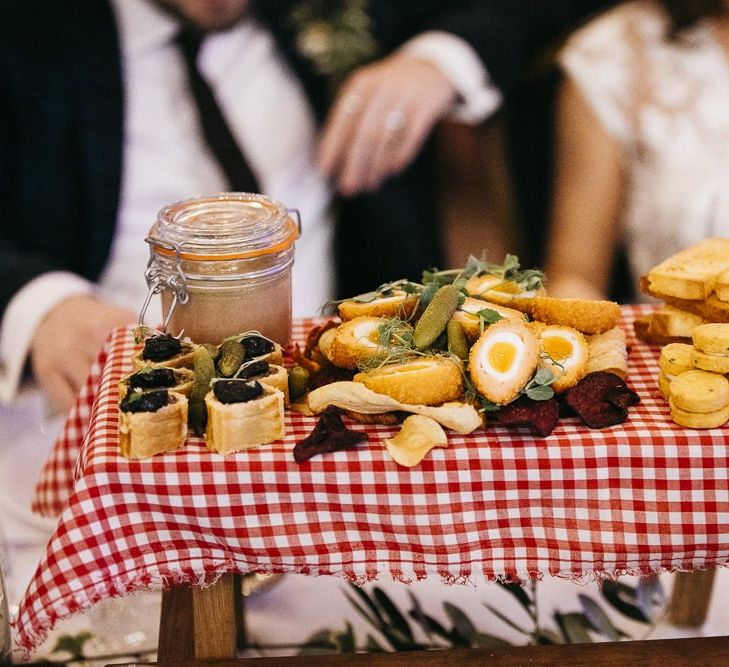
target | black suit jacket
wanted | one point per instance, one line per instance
(61, 131)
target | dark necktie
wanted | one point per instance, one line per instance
(217, 134)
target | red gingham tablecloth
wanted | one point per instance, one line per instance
(641, 497)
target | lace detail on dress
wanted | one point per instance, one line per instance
(666, 102)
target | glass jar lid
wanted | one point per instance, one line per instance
(225, 226)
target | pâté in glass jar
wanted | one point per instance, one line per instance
(222, 264)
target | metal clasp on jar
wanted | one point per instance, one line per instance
(158, 280)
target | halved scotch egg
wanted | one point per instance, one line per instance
(429, 380)
(467, 315)
(356, 342)
(398, 304)
(565, 353)
(504, 292)
(503, 360)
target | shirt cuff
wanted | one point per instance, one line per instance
(478, 98)
(23, 314)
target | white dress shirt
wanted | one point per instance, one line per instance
(165, 160)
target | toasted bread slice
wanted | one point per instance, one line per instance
(712, 309)
(722, 287)
(642, 328)
(671, 322)
(692, 273)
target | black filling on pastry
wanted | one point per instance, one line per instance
(153, 378)
(255, 346)
(149, 401)
(161, 348)
(254, 369)
(237, 391)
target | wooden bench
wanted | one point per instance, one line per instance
(204, 624)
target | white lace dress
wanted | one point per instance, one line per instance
(666, 103)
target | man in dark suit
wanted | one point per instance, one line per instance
(62, 132)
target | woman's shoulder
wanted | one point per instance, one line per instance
(607, 61)
(617, 31)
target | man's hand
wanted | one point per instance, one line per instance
(66, 343)
(380, 119)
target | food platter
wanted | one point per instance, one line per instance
(451, 354)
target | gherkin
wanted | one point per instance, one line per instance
(204, 369)
(457, 343)
(232, 355)
(434, 320)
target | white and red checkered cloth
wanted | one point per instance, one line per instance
(640, 497)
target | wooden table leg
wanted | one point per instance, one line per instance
(690, 598)
(200, 623)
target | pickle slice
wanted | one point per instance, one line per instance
(232, 354)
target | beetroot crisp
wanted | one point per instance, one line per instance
(329, 435)
(542, 416)
(601, 399)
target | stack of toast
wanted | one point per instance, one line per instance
(694, 286)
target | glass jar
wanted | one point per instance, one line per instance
(222, 264)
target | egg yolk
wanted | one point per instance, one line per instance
(501, 356)
(508, 287)
(557, 348)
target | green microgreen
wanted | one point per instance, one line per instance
(488, 316)
(510, 271)
(133, 396)
(538, 388)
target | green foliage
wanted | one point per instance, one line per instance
(402, 631)
(509, 271)
(488, 316)
(538, 388)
